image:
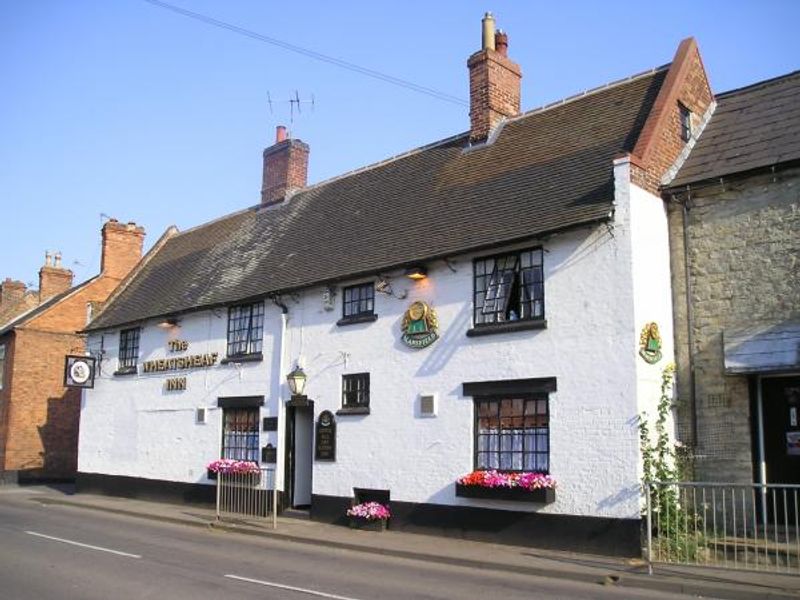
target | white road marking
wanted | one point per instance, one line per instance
(291, 588)
(100, 548)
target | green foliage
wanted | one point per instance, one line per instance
(675, 525)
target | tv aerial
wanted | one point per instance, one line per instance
(295, 104)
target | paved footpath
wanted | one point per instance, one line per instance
(587, 568)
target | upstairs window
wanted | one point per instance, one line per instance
(128, 350)
(245, 329)
(686, 122)
(359, 302)
(509, 287)
(355, 391)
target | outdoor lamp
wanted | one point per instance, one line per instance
(416, 272)
(297, 381)
(168, 323)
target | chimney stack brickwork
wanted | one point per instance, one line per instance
(122, 248)
(53, 279)
(494, 87)
(285, 168)
(11, 292)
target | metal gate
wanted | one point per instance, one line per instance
(739, 526)
(247, 495)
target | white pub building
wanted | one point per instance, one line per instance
(474, 304)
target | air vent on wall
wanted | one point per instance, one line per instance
(427, 405)
(200, 416)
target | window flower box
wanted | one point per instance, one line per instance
(518, 487)
(243, 472)
(369, 516)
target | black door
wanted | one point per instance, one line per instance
(781, 409)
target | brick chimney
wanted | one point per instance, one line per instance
(122, 248)
(11, 292)
(285, 167)
(53, 278)
(494, 83)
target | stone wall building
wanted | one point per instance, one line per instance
(38, 415)
(735, 240)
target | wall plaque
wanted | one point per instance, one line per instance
(269, 454)
(325, 446)
(420, 325)
(270, 424)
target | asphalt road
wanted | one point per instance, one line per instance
(71, 553)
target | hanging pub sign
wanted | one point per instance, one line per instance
(650, 344)
(79, 371)
(420, 325)
(325, 444)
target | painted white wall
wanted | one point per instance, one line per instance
(130, 424)
(601, 285)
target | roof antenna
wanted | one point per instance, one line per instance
(295, 103)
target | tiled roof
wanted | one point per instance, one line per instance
(753, 127)
(547, 170)
(35, 311)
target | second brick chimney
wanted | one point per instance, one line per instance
(53, 278)
(285, 167)
(122, 248)
(494, 83)
(11, 292)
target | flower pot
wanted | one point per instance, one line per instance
(540, 496)
(368, 524)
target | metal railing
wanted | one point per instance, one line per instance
(248, 495)
(738, 526)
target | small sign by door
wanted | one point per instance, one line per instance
(325, 446)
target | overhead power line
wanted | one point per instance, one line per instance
(410, 85)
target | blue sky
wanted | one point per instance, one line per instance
(126, 109)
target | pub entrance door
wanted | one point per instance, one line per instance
(299, 458)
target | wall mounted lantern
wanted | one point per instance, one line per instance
(168, 323)
(416, 272)
(297, 382)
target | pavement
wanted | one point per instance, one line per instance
(577, 567)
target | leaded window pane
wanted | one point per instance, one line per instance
(512, 434)
(509, 287)
(128, 348)
(355, 390)
(240, 434)
(245, 329)
(359, 300)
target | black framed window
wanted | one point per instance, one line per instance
(686, 122)
(355, 390)
(359, 301)
(245, 329)
(240, 434)
(512, 433)
(128, 349)
(509, 287)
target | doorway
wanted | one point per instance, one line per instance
(781, 413)
(299, 454)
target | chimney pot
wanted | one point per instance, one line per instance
(280, 134)
(57, 260)
(501, 42)
(48, 258)
(487, 31)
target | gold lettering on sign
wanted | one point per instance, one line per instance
(176, 364)
(177, 345)
(176, 384)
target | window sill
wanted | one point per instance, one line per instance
(243, 358)
(125, 371)
(540, 496)
(357, 319)
(353, 410)
(507, 327)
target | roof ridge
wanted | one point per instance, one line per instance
(591, 91)
(763, 83)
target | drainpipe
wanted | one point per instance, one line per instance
(277, 394)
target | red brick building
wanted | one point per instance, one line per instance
(38, 415)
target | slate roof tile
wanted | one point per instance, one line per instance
(547, 170)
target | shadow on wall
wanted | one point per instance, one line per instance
(59, 438)
(443, 349)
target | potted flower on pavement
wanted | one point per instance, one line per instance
(524, 486)
(371, 516)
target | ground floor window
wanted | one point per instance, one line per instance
(240, 433)
(512, 433)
